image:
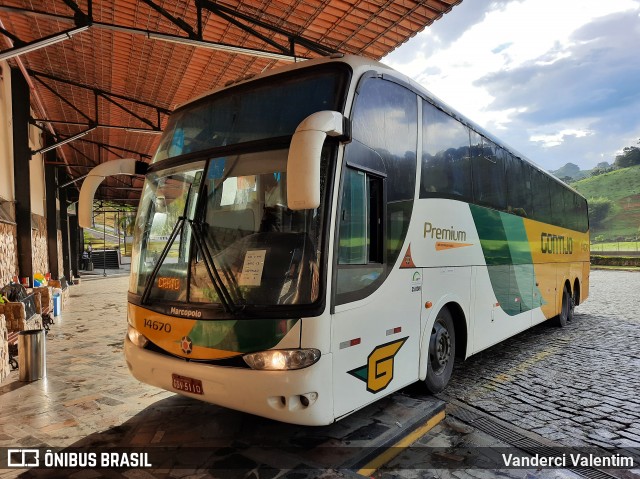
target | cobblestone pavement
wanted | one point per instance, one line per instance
(576, 386)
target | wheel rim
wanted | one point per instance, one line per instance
(439, 347)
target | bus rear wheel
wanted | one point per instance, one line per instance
(566, 313)
(442, 351)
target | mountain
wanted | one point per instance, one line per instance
(572, 171)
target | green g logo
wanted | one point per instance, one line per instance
(378, 372)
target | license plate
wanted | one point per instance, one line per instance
(184, 383)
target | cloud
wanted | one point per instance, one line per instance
(592, 85)
(556, 139)
(541, 73)
(597, 73)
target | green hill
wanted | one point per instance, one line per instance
(572, 171)
(623, 188)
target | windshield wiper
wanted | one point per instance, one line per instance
(163, 255)
(221, 289)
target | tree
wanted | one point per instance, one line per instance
(127, 221)
(599, 209)
(630, 157)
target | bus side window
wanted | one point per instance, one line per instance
(360, 243)
(446, 156)
(518, 186)
(488, 172)
(380, 170)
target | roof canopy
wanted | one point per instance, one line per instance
(109, 72)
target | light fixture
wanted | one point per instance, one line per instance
(43, 42)
(66, 140)
(143, 130)
(221, 47)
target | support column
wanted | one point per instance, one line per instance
(53, 216)
(21, 166)
(64, 227)
(73, 243)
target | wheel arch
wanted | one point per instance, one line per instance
(576, 291)
(461, 328)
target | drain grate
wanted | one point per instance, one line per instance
(498, 431)
(591, 473)
(527, 444)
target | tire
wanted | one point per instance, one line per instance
(575, 301)
(566, 312)
(442, 352)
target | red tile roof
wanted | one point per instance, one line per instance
(114, 62)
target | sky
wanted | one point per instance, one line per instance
(557, 80)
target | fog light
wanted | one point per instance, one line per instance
(307, 399)
(136, 337)
(282, 359)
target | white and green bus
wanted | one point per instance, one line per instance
(322, 235)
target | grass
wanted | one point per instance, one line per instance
(623, 188)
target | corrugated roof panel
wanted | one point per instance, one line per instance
(166, 74)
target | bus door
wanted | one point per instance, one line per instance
(376, 323)
(376, 320)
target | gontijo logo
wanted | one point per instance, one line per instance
(378, 372)
(556, 244)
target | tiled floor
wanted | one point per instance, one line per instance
(88, 387)
(89, 400)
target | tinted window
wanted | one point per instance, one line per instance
(558, 214)
(489, 183)
(541, 185)
(384, 148)
(268, 108)
(385, 122)
(583, 222)
(354, 239)
(518, 186)
(570, 219)
(360, 256)
(446, 165)
(385, 119)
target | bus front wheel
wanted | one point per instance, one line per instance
(442, 351)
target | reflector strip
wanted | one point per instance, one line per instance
(394, 331)
(348, 344)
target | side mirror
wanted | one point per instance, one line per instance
(303, 163)
(125, 166)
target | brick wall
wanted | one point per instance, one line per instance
(8, 253)
(40, 254)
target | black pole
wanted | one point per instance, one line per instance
(104, 244)
(20, 103)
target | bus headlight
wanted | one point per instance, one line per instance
(282, 359)
(136, 337)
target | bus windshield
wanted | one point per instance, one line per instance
(219, 231)
(269, 108)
